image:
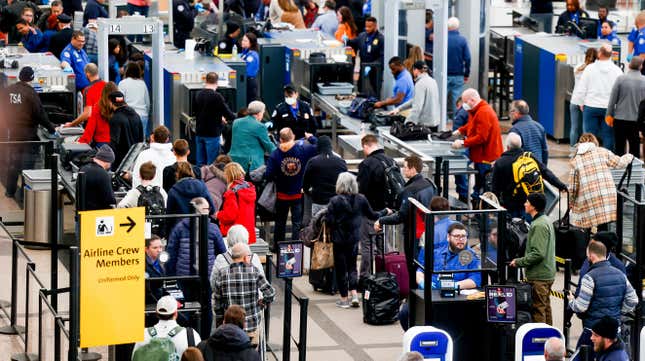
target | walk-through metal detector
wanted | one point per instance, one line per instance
(136, 26)
(114, 4)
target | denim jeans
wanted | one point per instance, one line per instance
(575, 114)
(455, 88)
(593, 121)
(207, 150)
(146, 129)
(461, 181)
(545, 20)
(282, 208)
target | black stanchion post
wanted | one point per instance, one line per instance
(204, 287)
(53, 228)
(267, 310)
(437, 174)
(13, 328)
(74, 304)
(26, 356)
(566, 327)
(286, 333)
(302, 340)
(445, 171)
(584, 354)
(40, 324)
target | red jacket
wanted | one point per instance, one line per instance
(483, 134)
(97, 129)
(238, 207)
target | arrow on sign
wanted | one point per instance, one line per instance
(131, 224)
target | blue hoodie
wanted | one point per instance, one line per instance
(286, 167)
(181, 194)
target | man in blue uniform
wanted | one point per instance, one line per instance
(369, 45)
(293, 113)
(75, 58)
(636, 39)
(183, 16)
(403, 85)
(455, 256)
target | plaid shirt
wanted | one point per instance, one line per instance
(91, 45)
(591, 186)
(238, 284)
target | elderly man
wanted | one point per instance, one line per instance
(622, 111)
(483, 137)
(458, 63)
(241, 284)
(531, 132)
(593, 91)
(554, 349)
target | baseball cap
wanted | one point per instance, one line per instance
(117, 98)
(167, 305)
(419, 65)
(64, 18)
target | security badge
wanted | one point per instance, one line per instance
(180, 8)
(306, 115)
(465, 257)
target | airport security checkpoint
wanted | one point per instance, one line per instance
(322, 179)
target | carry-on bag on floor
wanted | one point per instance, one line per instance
(394, 262)
(570, 241)
(323, 280)
(380, 299)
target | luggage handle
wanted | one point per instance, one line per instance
(563, 221)
(626, 175)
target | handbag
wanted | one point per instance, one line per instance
(322, 255)
(410, 131)
(268, 197)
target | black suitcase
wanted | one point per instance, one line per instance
(323, 280)
(380, 299)
(570, 241)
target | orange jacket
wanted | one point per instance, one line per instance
(483, 134)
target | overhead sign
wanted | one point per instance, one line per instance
(113, 263)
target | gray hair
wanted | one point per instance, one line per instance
(346, 184)
(240, 250)
(237, 234)
(636, 63)
(521, 106)
(513, 141)
(256, 107)
(411, 356)
(453, 23)
(554, 349)
(471, 93)
(93, 70)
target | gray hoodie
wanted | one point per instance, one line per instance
(626, 96)
(425, 103)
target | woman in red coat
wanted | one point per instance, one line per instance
(238, 206)
(97, 128)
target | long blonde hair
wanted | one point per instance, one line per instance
(415, 54)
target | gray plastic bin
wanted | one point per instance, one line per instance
(38, 205)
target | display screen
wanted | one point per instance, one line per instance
(501, 304)
(290, 259)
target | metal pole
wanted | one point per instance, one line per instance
(203, 275)
(26, 356)
(13, 328)
(445, 172)
(74, 306)
(428, 262)
(286, 333)
(567, 287)
(53, 229)
(267, 310)
(302, 340)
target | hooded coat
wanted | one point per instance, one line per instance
(238, 207)
(321, 173)
(180, 196)
(125, 131)
(179, 248)
(228, 343)
(345, 215)
(215, 181)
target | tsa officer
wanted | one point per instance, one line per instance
(369, 45)
(636, 39)
(75, 58)
(225, 46)
(455, 256)
(183, 16)
(607, 33)
(252, 59)
(293, 113)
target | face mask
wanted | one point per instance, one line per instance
(290, 101)
(466, 106)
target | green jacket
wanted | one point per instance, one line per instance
(539, 257)
(250, 142)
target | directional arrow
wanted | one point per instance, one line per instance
(131, 224)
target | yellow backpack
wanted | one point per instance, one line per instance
(527, 175)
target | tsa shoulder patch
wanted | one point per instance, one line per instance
(180, 7)
(465, 257)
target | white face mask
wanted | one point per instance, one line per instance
(290, 101)
(466, 106)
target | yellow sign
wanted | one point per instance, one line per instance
(112, 276)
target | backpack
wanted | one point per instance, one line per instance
(410, 131)
(152, 199)
(361, 107)
(527, 175)
(394, 184)
(162, 348)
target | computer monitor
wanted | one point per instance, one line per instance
(501, 304)
(589, 28)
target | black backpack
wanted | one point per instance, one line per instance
(361, 108)
(410, 131)
(152, 199)
(394, 184)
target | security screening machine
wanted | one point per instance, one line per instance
(136, 26)
(530, 339)
(434, 344)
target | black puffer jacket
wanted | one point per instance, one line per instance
(228, 343)
(125, 131)
(344, 217)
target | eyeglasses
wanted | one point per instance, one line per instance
(459, 236)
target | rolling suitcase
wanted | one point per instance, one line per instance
(395, 263)
(323, 280)
(570, 241)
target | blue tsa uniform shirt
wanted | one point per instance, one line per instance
(77, 59)
(446, 260)
(637, 36)
(615, 40)
(252, 60)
